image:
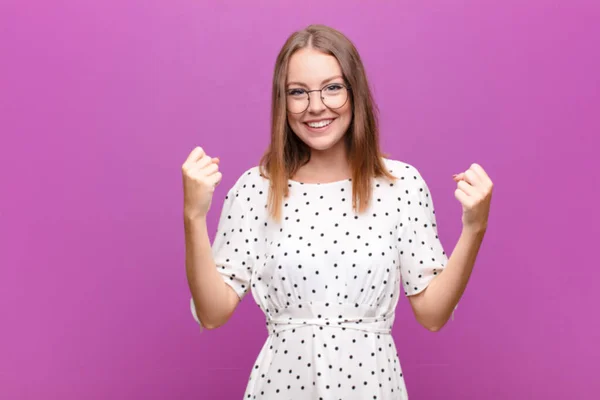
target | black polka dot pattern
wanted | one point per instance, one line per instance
(328, 280)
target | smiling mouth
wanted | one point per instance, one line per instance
(320, 125)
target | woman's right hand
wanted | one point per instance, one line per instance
(200, 177)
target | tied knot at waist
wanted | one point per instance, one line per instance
(331, 315)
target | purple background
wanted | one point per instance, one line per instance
(101, 101)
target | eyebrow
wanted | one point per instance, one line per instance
(322, 83)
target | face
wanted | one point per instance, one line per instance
(319, 127)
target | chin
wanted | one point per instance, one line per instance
(322, 143)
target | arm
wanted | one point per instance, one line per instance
(215, 301)
(434, 305)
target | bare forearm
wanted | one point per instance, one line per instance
(445, 290)
(206, 285)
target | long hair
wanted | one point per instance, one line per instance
(287, 153)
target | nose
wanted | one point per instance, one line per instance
(316, 105)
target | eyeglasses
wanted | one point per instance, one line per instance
(333, 96)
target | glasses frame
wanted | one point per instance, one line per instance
(308, 92)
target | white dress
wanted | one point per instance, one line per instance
(328, 281)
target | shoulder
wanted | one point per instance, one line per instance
(250, 189)
(249, 180)
(410, 182)
(406, 173)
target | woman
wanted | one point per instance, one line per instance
(325, 233)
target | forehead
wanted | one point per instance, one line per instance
(312, 67)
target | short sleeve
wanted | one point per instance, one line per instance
(233, 247)
(422, 255)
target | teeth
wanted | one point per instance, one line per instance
(320, 124)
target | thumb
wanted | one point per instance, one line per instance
(458, 177)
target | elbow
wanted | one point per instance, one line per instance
(432, 326)
(437, 325)
(213, 323)
(209, 326)
(204, 321)
(212, 317)
(431, 322)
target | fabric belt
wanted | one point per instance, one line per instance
(330, 315)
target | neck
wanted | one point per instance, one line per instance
(325, 166)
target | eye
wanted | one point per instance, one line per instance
(334, 87)
(296, 92)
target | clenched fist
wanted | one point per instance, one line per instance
(200, 177)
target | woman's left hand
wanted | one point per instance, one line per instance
(474, 191)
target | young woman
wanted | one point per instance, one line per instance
(327, 234)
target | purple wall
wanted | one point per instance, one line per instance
(101, 101)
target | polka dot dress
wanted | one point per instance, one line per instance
(328, 280)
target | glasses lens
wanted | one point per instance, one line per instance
(297, 100)
(335, 96)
